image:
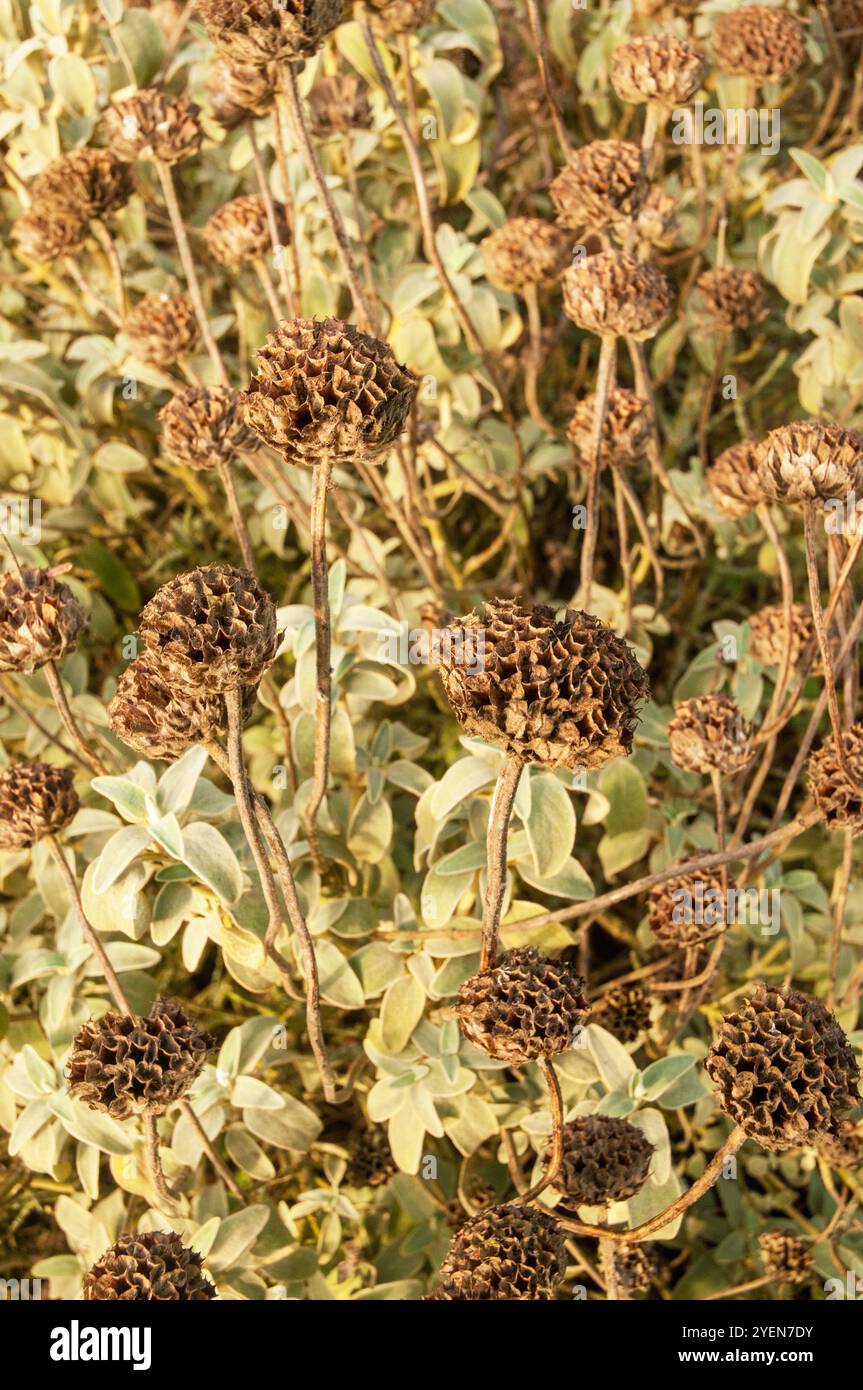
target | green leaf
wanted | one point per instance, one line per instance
(113, 576)
(295, 1126)
(407, 1133)
(458, 783)
(339, 984)
(128, 797)
(370, 831)
(117, 854)
(207, 853)
(659, 1076)
(177, 785)
(401, 1011)
(623, 786)
(613, 1062)
(551, 825)
(71, 79)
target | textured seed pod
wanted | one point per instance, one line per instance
(85, 183)
(658, 67)
(783, 1069)
(234, 90)
(40, 619)
(604, 1160)
(159, 718)
(624, 1011)
(786, 1259)
(636, 1267)
(509, 1252)
(526, 251)
(203, 427)
(758, 41)
(338, 105)
(768, 639)
(732, 298)
(371, 1162)
(688, 910)
(43, 236)
(153, 125)
(846, 17)
(239, 232)
(562, 692)
(36, 799)
(708, 732)
(625, 430)
(123, 1065)
(614, 292)
(258, 32)
(838, 797)
(603, 183)
(842, 1147)
(656, 222)
(326, 390)
(523, 1007)
(213, 629)
(399, 16)
(161, 328)
(153, 1265)
(810, 461)
(733, 481)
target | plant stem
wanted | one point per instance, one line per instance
(555, 1158)
(58, 694)
(323, 652)
(842, 889)
(534, 359)
(106, 241)
(241, 531)
(88, 930)
(538, 33)
(154, 1163)
(604, 382)
(266, 285)
(496, 842)
(821, 637)
(169, 192)
(272, 223)
(207, 1145)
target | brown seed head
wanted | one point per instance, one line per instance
(203, 426)
(603, 183)
(40, 619)
(371, 1161)
(258, 32)
(338, 105)
(768, 639)
(84, 183)
(732, 298)
(786, 1259)
(509, 1252)
(615, 293)
(239, 232)
(604, 1160)
(733, 481)
(153, 1265)
(525, 251)
(234, 90)
(161, 328)
(45, 236)
(399, 16)
(636, 1267)
(153, 125)
(759, 41)
(687, 911)
(810, 461)
(657, 67)
(839, 797)
(624, 1011)
(161, 719)
(709, 733)
(842, 1147)
(656, 222)
(626, 429)
(523, 1007)
(36, 799)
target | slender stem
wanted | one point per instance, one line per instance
(538, 33)
(169, 192)
(709, 392)
(604, 380)
(266, 285)
(608, 1269)
(241, 531)
(154, 1163)
(323, 651)
(496, 842)
(207, 1145)
(285, 175)
(76, 274)
(748, 1287)
(272, 223)
(842, 889)
(89, 931)
(555, 1158)
(58, 694)
(644, 387)
(640, 520)
(534, 359)
(623, 542)
(787, 584)
(106, 241)
(353, 185)
(14, 703)
(821, 637)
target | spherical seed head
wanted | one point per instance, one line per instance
(161, 328)
(152, 713)
(758, 41)
(561, 692)
(525, 251)
(810, 461)
(399, 16)
(525, 1006)
(842, 1147)
(203, 426)
(636, 1267)
(239, 232)
(371, 1161)
(733, 481)
(259, 32)
(656, 222)
(783, 1069)
(153, 125)
(324, 390)
(658, 67)
(509, 1252)
(123, 1065)
(709, 733)
(786, 1259)
(338, 105)
(624, 1011)
(36, 799)
(615, 293)
(40, 619)
(687, 910)
(85, 183)
(604, 1160)
(839, 797)
(602, 184)
(153, 1265)
(768, 639)
(626, 429)
(43, 236)
(732, 298)
(234, 90)
(212, 629)
(846, 15)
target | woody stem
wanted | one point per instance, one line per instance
(496, 842)
(89, 932)
(323, 650)
(555, 1158)
(58, 694)
(154, 1163)
(604, 381)
(193, 284)
(821, 637)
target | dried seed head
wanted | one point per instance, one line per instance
(239, 232)
(153, 125)
(604, 1160)
(810, 461)
(326, 390)
(786, 1259)
(626, 429)
(43, 236)
(40, 619)
(603, 183)
(658, 67)
(524, 1007)
(846, 16)
(838, 797)
(153, 1265)
(161, 328)
(687, 911)
(783, 1069)
(234, 90)
(656, 222)
(203, 427)
(732, 298)
(84, 183)
(624, 1011)
(338, 105)
(525, 251)
(36, 799)
(733, 481)
(509, 1252)
(259, 32)
(371, 1161)
(636, 1267)
(562, 692)
(709, 733)
(213, 629)
(161, 719)
(768, 640)
(842, 1147)
(398, 16)
(615, 293)
(759, 41)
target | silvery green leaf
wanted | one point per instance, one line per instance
(117, 854)
(177, 785)
(207, 853)
(129, 798)
(458, 783)
(613, 1062)
(295, 1126)
(165, 830)
(660, 1075)
(257, 1095)
(401, 1011)
(550, 825)
(29, 1122)
(406, 1133)
(91, 1127)
(236, 1235)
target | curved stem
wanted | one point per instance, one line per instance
(88, 930)
(644, 387)
(207, 1145)
(542, 63)
(154, 1163)
(323, 652)
(8, 696)
(555, 1158)
(272, 223)
(842, 889)
(749, 1287)
(266, 285)
(623, 542)
(496, 842)
(241, 530)
(821, 637)
(604, 382)
(106, 241)
(640, 520)
(169, 192)
(534, 359)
